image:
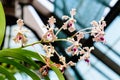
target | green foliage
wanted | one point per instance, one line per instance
(20, 67)
(8, 56)
(17, 55)
(2, 24)
(7, 73)
(58, 72)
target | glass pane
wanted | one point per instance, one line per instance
(97, 70)
(112, 32)
(86, 10)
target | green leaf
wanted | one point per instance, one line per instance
(58, 73)
(27, 53)
(2, 24)
(20, 67)
(2, 77)
(15, 54)
(7, 73)
(36, 56)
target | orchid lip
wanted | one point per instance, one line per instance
(87, 60)
(69, 24)
(74, 49)
(102, 38)
(20, 38)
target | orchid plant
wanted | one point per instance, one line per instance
(97, 31)
(76, 48)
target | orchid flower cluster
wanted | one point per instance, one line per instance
(97, 31)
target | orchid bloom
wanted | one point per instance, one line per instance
(49, 36)
(62, 59)
(51, 20)
(99, 37)
(70, 23)
(86, 53)
(73, 49)
(20, 37)
(98, 30)
(44, 70)
(49, 50)
(80, 35)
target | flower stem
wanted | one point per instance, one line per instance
(55, 51)
(32, 44)
(80, 31)
(87, 32)
(44, 42)
(58, 31)
(63, 40)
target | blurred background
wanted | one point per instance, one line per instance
(105, 59)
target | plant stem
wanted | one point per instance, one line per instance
(58, 31)
(55, 51)
(44, 42)
(87, 32)
(63, 40)
(31, 44)
(80, 31)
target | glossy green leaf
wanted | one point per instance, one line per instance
(27, 53)
(2, 23)
(16, 54)
(7, 73)
(58, 73)
(36, 56)
(2, 77)
(20, 67)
